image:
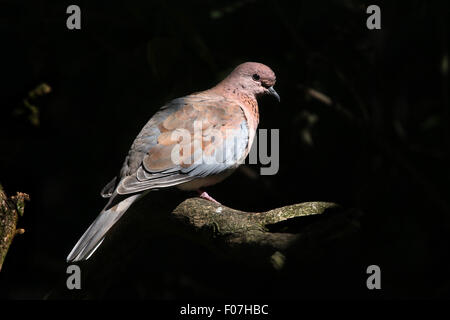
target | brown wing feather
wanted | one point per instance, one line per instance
(155, 146)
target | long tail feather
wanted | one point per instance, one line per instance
(95, 234)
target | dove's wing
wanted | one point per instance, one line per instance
(191, 137)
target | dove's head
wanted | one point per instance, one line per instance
(254, 78)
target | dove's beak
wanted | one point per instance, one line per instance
(273, 93)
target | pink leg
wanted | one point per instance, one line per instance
(206, 196)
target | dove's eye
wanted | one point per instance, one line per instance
(255, 77)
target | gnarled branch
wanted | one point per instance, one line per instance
(10, 209)
(246, 234)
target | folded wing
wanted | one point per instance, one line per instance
(191, 137)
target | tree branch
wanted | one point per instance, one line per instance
(258, 238)
(10, 209)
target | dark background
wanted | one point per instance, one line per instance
(381, 147)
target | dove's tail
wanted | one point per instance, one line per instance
(95, 234)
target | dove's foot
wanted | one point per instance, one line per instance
(206, 196)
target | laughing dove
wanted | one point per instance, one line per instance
(191, 142)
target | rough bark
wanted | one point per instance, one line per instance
(10, 210)
(202, 241)
(247, 235)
